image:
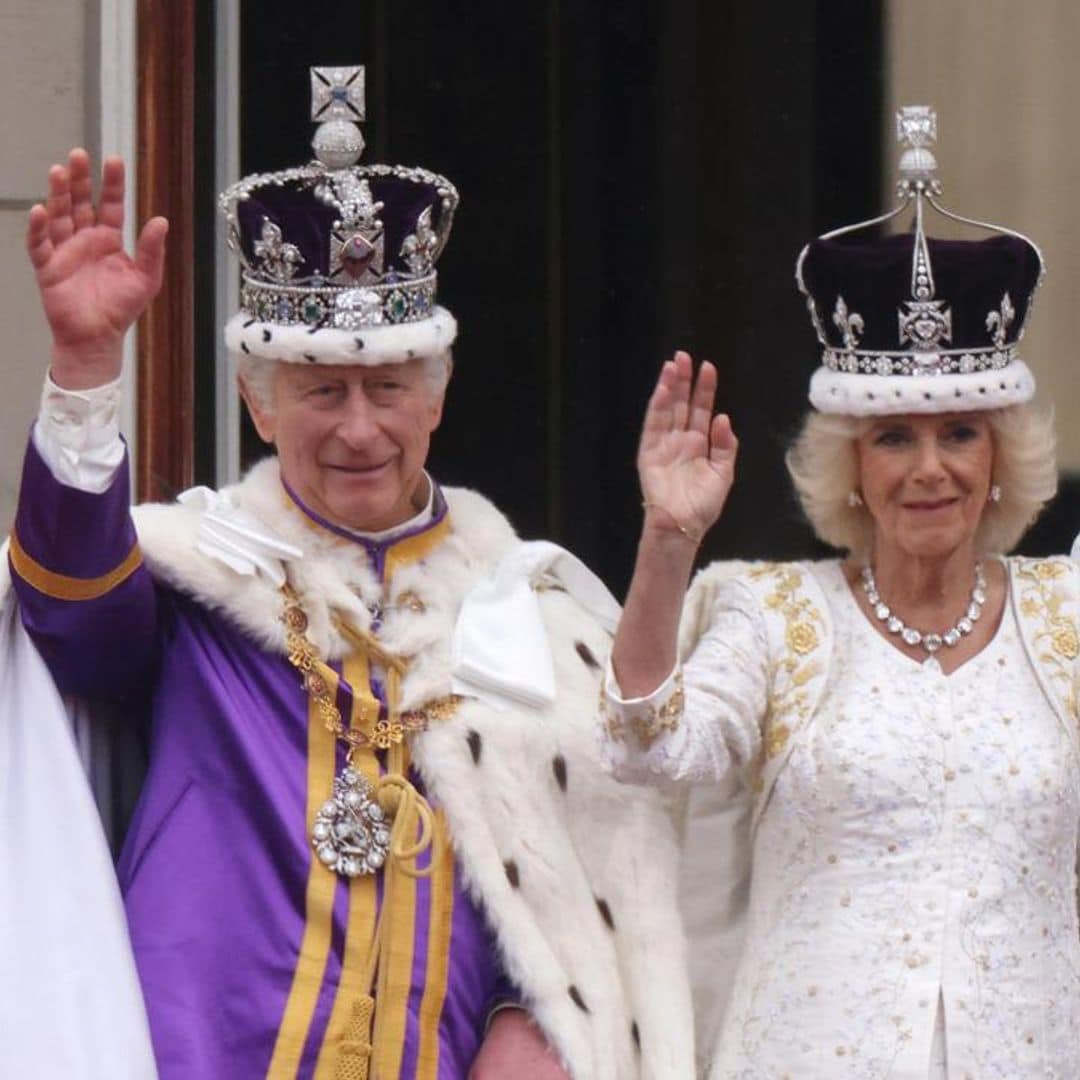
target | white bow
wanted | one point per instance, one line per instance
(500, 648)
(238, 539)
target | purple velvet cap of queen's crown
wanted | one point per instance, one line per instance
(909, 323)
(338, 259)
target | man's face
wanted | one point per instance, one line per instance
(352, 440)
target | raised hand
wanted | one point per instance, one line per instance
(91, 289)
(686, 458)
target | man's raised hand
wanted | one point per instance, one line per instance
(686, 458)
(91, 289)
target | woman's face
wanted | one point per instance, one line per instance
(925, 480)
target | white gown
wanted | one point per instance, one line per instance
(70, 1003)
(913, 906)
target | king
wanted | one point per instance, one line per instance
(374, 838)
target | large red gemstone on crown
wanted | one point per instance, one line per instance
(356, 255)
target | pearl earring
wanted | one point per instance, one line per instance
(854, 499)
(994, 494)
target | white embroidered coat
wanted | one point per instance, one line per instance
(914, 836)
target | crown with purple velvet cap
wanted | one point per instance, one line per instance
(338, 259)
(912, 324)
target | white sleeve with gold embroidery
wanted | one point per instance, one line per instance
(707, 714)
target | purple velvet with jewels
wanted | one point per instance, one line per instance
(215, 864)
(874, 279)
(306, 221)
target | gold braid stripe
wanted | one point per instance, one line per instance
(346, 1049)
(310, 970)
(62, 587)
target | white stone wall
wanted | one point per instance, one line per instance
(67, 78)
(1005, 80)
(43, 110)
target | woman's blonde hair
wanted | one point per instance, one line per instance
(823, 463)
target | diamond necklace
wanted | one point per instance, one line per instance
(930, 642)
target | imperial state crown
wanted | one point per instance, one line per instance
(338, 259)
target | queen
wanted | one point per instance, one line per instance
(900, 724)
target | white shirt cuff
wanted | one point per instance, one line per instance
(77, 434)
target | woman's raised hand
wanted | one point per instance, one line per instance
(686, 460)
(91, 290)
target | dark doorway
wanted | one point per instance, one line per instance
(635, 177)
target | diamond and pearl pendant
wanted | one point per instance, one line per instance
(351, 833)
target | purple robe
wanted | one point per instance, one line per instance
(241, 937)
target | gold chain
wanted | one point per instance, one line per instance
(386, 731)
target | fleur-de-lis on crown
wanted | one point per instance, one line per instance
(850, 324)
(419, 249)
(998, 322)
(279, 259)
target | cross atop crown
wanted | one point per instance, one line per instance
(337, 105)
(916, 131)
(337, 93)
(916, 125)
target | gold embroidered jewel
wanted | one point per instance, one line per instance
(1066, 643)
(776, 739)
(1049, 569)
(1043, 602)
(801, 637)
(795, 671)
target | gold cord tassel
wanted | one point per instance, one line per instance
(354, 1057)
(411, 815)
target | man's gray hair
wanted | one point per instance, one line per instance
(258, 374)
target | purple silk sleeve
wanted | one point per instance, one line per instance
(84, 596)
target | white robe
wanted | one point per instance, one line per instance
(70, 1004)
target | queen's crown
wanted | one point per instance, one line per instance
(908, 304)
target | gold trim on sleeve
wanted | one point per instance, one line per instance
(62, 587)
(647, 722)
